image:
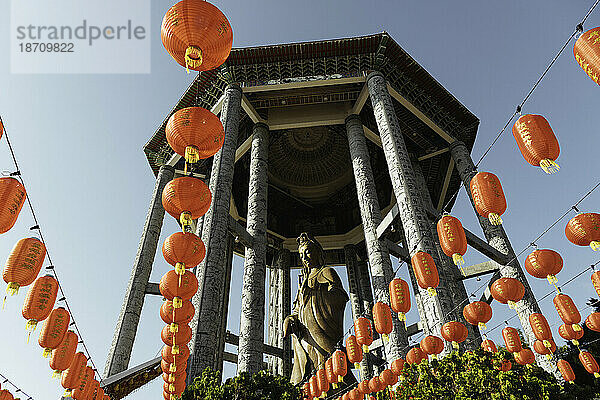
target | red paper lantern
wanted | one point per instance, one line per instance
(180, 315)
(488, 196)
(512, 339)
(186, 199)
(178, 287)
(453, 240)
(314, 386)
(540, 328)
(593, 321)
(489, 345)
(455, 332)
(388, 377)
(54, 330)
(596, 281)
(322, 381)
(354, 394)
(399, 297)
(571, 332)
(589, 363)
(537, 142)
(353, 350)
(72, 376)
(364, 333)
(331, 377)
(12, 198)
(194, 133)
(415, 356)
(339, 364)
(586, 53)
(23, 264)
(197, 35)
(375, 384)
(397, 366)
(567, 310)
(177, 356)
(183, 250)
(507, 290)
(584, 230)
(5, 395)
(432, 345)
(425, 271)
(82, 389)
(363, 387)
(382, 316)
(566, 371)
(542, 348)
(182, 336)
(63, 355)
(544, 264)
(478, 313)
(39, 301)
(525, 357)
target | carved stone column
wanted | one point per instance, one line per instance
(449, 272)
(412, 213)
(224, 311)
(284, 264)
(252, 320)
(357, 299)
(127, 324)
(212, 271)
(497, 238)
(379, 258)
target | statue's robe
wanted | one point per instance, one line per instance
(319, 307)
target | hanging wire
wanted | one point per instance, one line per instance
(51, 267)
(17, 389)
(578, 29)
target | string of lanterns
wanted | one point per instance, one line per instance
(21, 270)
(539, 147)
(198, 37)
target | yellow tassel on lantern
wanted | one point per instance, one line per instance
(47, 352)
(192, 155)
(365, 348)
(12, 289)
(356, 365)
(549, 166)
(177, 302)
(576, 327)
(455, 345)
(30, 327)
(67, 393)
(174, 328)
(186, 220)
(385, 337)
(458, 259)
(575, 342)
(596, 375)
(548, 356)
(431, 291)
(595, 245)
(193, 57)
(172, 367)
(552, 279)
(494, 219)
(482, 326)
(511, 304)
(547, 344)
(56, 374)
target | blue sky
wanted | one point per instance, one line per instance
(79, 140)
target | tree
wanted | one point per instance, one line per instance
(475, 375)
(259, 386)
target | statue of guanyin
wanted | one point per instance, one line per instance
(317, 321)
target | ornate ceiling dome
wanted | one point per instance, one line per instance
(312, 163)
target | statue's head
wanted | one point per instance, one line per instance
(311, 252)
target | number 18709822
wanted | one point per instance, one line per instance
(41, 47)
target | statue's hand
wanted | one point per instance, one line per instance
(291, 325)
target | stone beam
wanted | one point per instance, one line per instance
(398, 251)
(233, 339)
(484, 268)
(372, 136)
(152, 288)
(239, 232)
(251, 111)
(435, 153)
(305, 116)
(445, 185)
(243, 148)
(360, 102)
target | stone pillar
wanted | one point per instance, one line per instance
(212, 271)
(225, 300)
(357, 301)
(412, 213)
(497, 238)
(379, 258)
(284, 264)
(449, 272)
(127, 324)
(252, 320)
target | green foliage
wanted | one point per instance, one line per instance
(475, 375)
(259, 386)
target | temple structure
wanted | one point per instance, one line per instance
(348, 139)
